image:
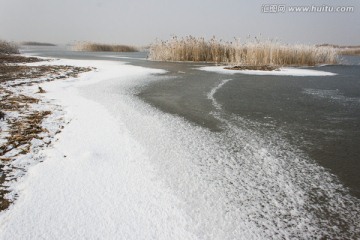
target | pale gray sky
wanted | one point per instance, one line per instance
(139, 22)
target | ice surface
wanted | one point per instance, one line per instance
(331, 95)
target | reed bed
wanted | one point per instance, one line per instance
(254, 53)
(8, 48)
(97, 47)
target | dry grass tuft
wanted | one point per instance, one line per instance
(97, 47)
(252, 53)
(11, 59)
(11, 70)
(22, 131)
(8, 48)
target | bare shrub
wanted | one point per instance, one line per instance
(97, 47)
(254, 53)
(8, 47)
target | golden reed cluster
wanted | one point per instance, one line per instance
(255, 53)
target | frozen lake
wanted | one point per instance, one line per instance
(248, 155)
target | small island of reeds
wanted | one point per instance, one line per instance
(99, 47)
(44, 44)
(250, 53)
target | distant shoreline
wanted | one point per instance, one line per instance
(38, 44)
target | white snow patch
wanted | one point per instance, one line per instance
(281, 72)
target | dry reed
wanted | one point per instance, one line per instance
(97, 47)
(254, 53)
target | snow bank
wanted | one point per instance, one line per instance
(96, 182)
(281, 72)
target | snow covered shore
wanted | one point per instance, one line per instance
(95, 182)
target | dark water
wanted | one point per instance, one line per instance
(295, 118)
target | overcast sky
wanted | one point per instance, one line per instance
(140, 22)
